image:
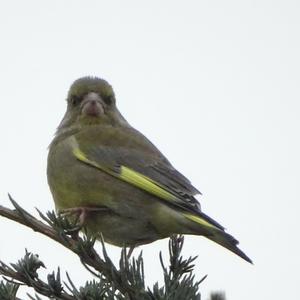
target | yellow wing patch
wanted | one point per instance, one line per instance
(135, 178)
(81, 156)
(145, 183)
(141, 181)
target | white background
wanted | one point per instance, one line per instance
(214, 84)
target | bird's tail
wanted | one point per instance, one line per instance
(214, 231)
(229, 242)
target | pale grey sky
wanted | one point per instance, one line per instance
(214, 84)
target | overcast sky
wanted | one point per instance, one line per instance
(214, 84)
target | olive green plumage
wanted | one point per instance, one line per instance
(128, 190)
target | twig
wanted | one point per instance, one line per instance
(127, 282)
(90, 257)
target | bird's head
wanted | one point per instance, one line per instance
(91, 100)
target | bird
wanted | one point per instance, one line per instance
(117, 182)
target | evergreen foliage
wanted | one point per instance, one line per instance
(125, 282)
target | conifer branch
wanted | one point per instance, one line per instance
(126, 282)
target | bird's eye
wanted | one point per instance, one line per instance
(108, 99)
(75, 100)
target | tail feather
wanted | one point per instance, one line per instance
(229, 242)
(205, 225)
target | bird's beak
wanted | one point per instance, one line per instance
(92, 105)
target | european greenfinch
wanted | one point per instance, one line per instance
(117, 182)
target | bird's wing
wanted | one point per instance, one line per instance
(130, 157)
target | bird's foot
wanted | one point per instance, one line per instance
(81, 213)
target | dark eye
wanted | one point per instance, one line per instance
(108, 99)
(75, 100)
